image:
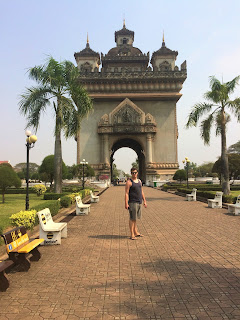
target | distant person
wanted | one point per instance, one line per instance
(133, 202)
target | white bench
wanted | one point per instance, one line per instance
(51, 231)
(192, 196)
(93, 197)
(81, 208)
(216, 202)
(235, 208)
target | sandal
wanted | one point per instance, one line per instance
(139, 235)
(133, 238)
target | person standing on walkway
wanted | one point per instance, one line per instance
(133, 202)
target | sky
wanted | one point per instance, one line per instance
(205, 33)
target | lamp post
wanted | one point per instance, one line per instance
(187, 161)
(31, 139)
(83, 162)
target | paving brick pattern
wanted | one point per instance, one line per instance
(187, 266)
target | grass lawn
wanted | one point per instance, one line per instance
(15, 203)
(235, 193)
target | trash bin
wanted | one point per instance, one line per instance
(155, 184)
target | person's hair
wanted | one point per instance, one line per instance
(133, 169)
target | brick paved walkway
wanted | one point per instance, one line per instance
(187, 266)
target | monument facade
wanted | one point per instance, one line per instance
(134, 98)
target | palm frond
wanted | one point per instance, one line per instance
(215, 84)
(235, 108)
(198, 110)
(231, 85)
(33, 102)
(205, 128)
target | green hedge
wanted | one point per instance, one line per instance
(53, 206)
(54, 196)
(209, 195)
(204, 187)
(19, 191)
(65, 202)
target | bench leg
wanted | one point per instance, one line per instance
(4, 282)
(21, 260)
(36, 254)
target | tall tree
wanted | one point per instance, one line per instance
(56, 83)
(234, 148)
(83, 105)
(46, 169)
(8, 178)
(219, 102)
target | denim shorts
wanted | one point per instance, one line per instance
(135, 210)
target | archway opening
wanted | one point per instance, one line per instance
(127, 151)
(123, 159)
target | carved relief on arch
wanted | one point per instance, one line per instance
(149, 119)
(165, 66)
(104, 120)
(127, 112)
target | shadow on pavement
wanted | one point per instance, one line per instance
(108, 236)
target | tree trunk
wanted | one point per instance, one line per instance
(78, 147)
(58, 154)
(224, 157)
(3, 197)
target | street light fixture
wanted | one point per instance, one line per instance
(31, 139)
(187, 161)
(83, 162)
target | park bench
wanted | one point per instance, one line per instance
(18, 246)
(93, 197)
(4, 282)
(51, 231)
(216, 202)
(81, 208)
(192, 196)
(235, 208)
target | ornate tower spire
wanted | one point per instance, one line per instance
(163, 41)
(124, 24)
(87, 45)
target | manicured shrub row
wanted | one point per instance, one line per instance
(53, 206)
(24, 218)
(29, 219)
(204, 187)
(18, 191)
(209, 195)
(53, 196)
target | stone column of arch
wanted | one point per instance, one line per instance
(105, 148)
(149, 138)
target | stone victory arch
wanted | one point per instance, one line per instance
(134, 106)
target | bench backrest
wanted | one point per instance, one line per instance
(15, 237)
(238, 200)
(78, 200)
(218, 195)
(194, 191)
(45, 217)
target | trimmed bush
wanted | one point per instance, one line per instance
(39, 189)
(54, 196)
(18, 191)
(65, 202)
(53, 206)
(24, 218)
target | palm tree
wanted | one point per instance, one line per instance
(219, 101)
(56, 82)
(83, 105)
